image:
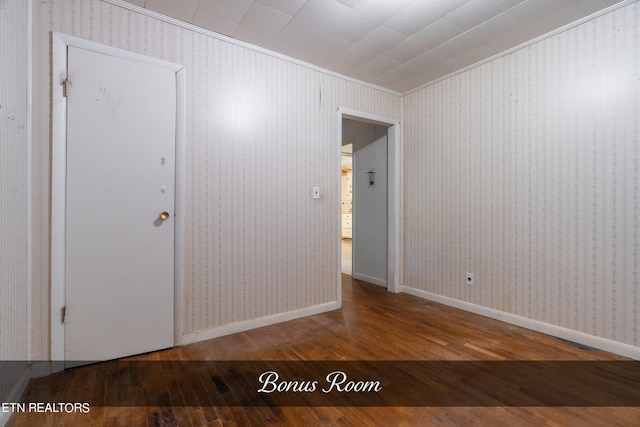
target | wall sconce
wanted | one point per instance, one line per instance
(372, 177)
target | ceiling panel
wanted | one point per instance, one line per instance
(229, 10)
(398, 44)
(300, 53)
(313, 38)
(590, 6)
(379, 66)
(412, 19)
(350, 3)
(427, 39)
(336, 19)
(261, 21)
(489, 31)
(442, 7)
(533, 10)
(380, 11)
(367, 49)
(473, 13)
(290, 7)
(457, 47)
(400, 74)
(213, 22)
(426, 61)
(508, 4)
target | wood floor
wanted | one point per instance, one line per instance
(374, 325)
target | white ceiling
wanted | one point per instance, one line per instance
(397, 44)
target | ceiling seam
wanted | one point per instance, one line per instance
(241, 19)
(193, 17)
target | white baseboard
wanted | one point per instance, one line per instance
(605, 344)
(42, 369)
(15, 395)
(369, 279)
(257, 323)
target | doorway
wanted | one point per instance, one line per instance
(116, 124)
(365, 204)
(381, 142)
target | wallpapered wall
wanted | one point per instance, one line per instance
(260, 133)
(525, 172)
(13, 192)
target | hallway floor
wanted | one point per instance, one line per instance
(347, 265)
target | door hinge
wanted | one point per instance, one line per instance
(65, 87)
(64, 314)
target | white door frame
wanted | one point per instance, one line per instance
(59, 184)
(393, 199)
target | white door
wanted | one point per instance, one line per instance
(119, 288)
(370, 208)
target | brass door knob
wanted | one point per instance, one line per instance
(164, 216)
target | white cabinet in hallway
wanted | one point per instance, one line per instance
(347, 226)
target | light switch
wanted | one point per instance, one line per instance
(316, 192)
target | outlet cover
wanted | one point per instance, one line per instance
(469, 280)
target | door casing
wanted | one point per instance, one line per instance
(60, 43)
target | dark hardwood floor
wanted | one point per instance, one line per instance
(374, 326)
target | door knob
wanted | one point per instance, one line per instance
(164, 216)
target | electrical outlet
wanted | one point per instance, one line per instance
(469, 280)
(316, 192)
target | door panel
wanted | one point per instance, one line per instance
(119, 290)
(370, 212)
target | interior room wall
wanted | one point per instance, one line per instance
(363, 133)
(525, 171)
(14, 166)
(261, 132)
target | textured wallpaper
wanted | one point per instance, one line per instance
(13, 191)
(260, 133)
(525, 172)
